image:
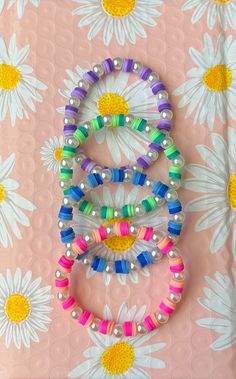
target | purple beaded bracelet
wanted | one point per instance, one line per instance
(126, 65)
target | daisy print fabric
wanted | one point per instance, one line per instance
(121, 19)
(19, 5)
(114, 95)
(19, 90)
(123, 359)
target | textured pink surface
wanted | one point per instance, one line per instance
(56, 45)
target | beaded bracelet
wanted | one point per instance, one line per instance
(119, 266)
(106, 67)
(159, 141)
(159, 189)
(150, 322)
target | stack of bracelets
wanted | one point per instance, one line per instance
(77, 247)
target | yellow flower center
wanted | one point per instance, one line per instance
(9, 76)
(232, 191)
(58, 153)
(2, 193)
(111, 103)
(218, 78)
(119, 243)
(222, 1)
(17, 307)
(118, 358)
(118, 8)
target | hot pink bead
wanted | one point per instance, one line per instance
(82, 243)
(68, 303)
(60, 283)
(102, 232)
(130, 328)
(65, 262)
(167, 306)
(165, 245)
(150, 322)
(86, 318)
(148, 234)
(123, 228)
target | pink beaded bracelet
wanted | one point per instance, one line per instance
(150, 322)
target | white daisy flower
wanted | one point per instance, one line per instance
(113, 95)
(222, 10)
(123, 18)
(51, 153)
(217, 181)
(115, 248)
(20, 5)
(11, 204)
(211, 89)
(123, 359)
(221, 301)
(18, 88)
(23, 305)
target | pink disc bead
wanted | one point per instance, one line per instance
(69, 304)
(130, 328)
(121, 228)
(167, 306)
(107, 327)
(86, 319)
(165, 245)
(176, 286)
(148, 234)
(176, 264)
(100, 234)
(62, 284)
(151, 322)
(65, 263)
(81, 245)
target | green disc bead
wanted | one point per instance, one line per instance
(171, 152)
(107, 213)
(128, 210)
(86, 207)
(175, 172)
(81, 134)
(149, 203)
(118, 120)
(68, 152)
(66, 192)
(66, 173)
(139, 124)
(97, 123)
(157, 136)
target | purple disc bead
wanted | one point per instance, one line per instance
(108, 65)
(157, 86)
(155, 146)
(144, 161)
(164, 125)
(90, 77)
(144, 73)
(71, 111)
(79, 92)
(163, 104)
(127, 65)
(87, 165)
(69, 130)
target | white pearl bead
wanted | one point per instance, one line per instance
(173, 238)
(179, 161)
(59, 274)
(166, 114)
(139, 210)
(85, 187)
(153, 77)
(179, 217)
(109, 230)
(149, 182)
(157, 256)
(175, 297)
(162, 95)
(95, 212)
(86, 261)
(118, 331)
(69, 120)
(76, 313)
(174, 253)
(128, 175)
(88, 238)
(72, 141)
(168, 141)
(87, 126)
(153, 155)
(107, 119)
(64, 184)
(106, 175)
(156, 236)
(137, 167)
(141, 328)
(74, 101)
(117, 63)
(137, 67)
(159, 200)
(132, 266)
(179, 275)
(83, 84)
(117, 213)
(97, 170)
(133, 229)
(98, 70)
(129, 119)
(162, 317)
(109, 267)
(80, 158)
(95, 325)
(62, 224)
(171, 195)
(68, 245)
(148, 128)
(174, 183)
(70, 254)
(67, 163)
(61, 296)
